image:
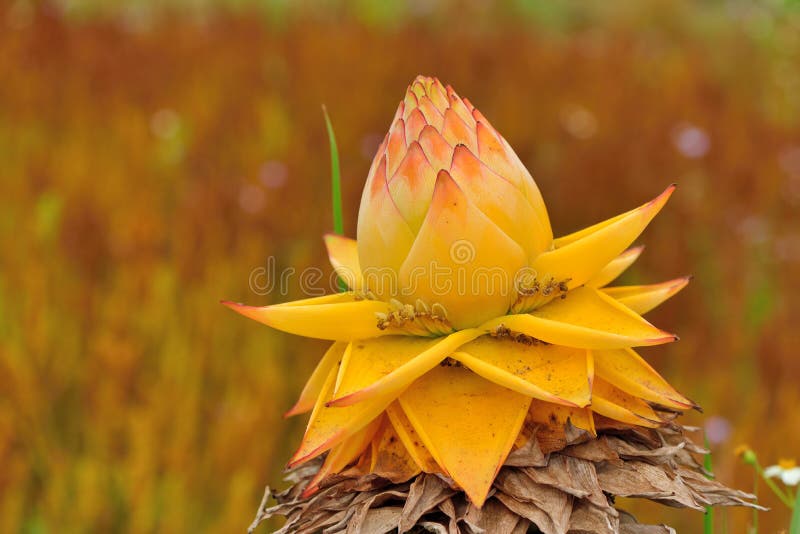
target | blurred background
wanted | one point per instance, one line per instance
(153, 154)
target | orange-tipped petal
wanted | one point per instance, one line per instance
(456, 132)
(411, 186)
(546, 372)
(616, 267)
(384, 237)
(582, 255)
(378, 369)
(313, 388)
(498, 155)
(410, 102)
(586, 319)
(329, 427)
(438, 151)
(343, 455)
(500, 200)
(642, 299)
(395, 147)
(612, 402)
(433, 116)
(414, 125)
(343, 255)
(632, 374)
(444, 406)
(460, 108)
(469, 277)
(338, 317)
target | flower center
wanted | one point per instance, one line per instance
(786, 463)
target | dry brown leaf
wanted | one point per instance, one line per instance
(425, 494)
(589, 519)
(570, 475)
(557, 490)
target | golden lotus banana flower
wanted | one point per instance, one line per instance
(448, 375)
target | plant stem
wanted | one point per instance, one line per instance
(755, 510)
(794, 526)
(774, 487)
(708, 518)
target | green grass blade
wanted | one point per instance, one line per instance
(794, 527)
(336, 185)
(336, 177)
(708, 518)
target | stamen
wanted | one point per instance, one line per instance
(532, 293)
(418, 319)
(503, 332)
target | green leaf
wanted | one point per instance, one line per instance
(794, 527)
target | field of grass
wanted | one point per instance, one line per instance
(150, 160)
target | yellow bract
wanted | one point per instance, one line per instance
(447, 379)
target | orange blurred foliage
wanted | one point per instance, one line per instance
(147, 168)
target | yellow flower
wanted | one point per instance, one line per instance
(426, 375)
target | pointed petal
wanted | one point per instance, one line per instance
(387, 366)
(616, 267)
(343, 255)
(411, 440)
(410, 101)
(438, 151)
(547, 372)
(411, 186)
(384, 238)
(418, 87)
(586, 319)
(414, 125)
(343, 455)
(500, 200)
(632, 374)
(456, 132)
(498, 155)
(555, 417)
(395, 146)
(432, 115)
(328, 427)
(438, 96)
(583, 256)
(473, 287)
(390, 458)
(313, 388)
(368, 360)
(460, 108)
(467, 423)
(338, 317)
(614, 403)
(642, 299)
